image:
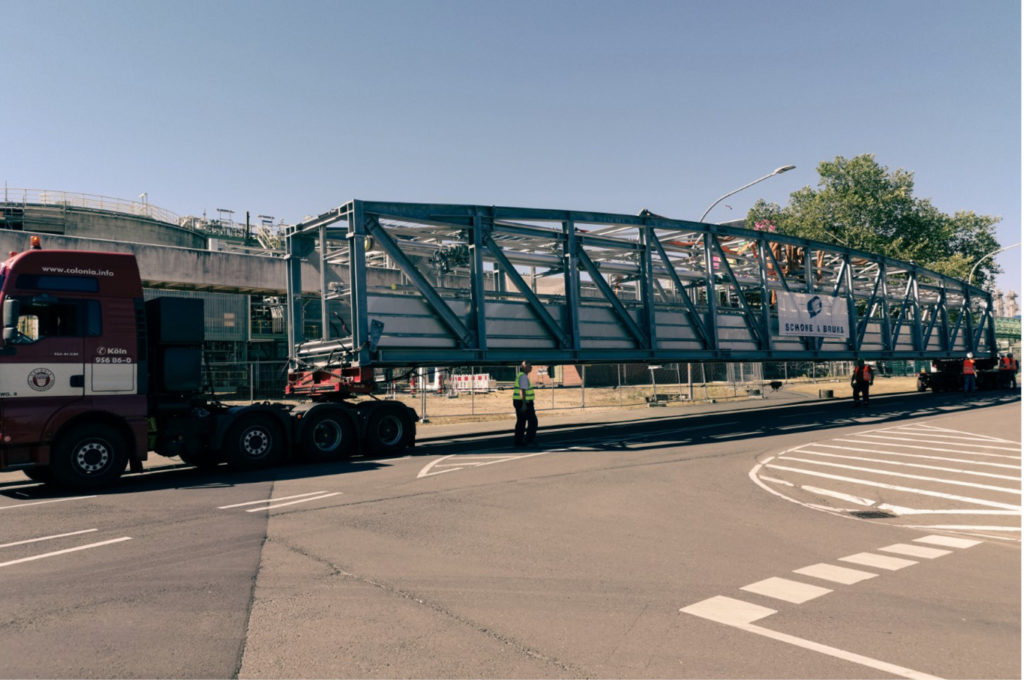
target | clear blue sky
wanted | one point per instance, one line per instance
(292, 108)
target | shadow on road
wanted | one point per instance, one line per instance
(730, 422)
(734, 424)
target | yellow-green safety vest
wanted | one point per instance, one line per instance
(517, 393)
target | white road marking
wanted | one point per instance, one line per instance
(786, 590)
(728, 611)
(887, 452)
(927, 448)
(883, 461)
(878, 561)
(963, 527)
(876, 435)
(783, 482)
(842, 654)
(463, 461)
(830, 572)
(269, 500)
(948, 541)
(904, 475)
(857, 500)
(55, 500)
(915, 551)
(741, 615)
(901, 510)
(64, 552)
(48, 538)
(301, 500)
(950, 434)
(895, 487)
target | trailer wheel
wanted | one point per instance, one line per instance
(253, 442)
(388, 429)
(328, 435)
(88, 456)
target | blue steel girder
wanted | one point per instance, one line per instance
(667, 277)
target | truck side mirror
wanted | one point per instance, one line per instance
(12, 310)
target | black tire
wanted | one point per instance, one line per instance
(922, 385)
(88, 456)
(39, 473)
(389, 429)
(254, 441)
(329, 434)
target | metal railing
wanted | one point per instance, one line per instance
(13, 196)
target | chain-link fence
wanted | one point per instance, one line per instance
(486, 391)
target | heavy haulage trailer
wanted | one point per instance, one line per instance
(93, 377)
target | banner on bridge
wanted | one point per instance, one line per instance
(820, 316)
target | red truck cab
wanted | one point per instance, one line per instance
(73, 373)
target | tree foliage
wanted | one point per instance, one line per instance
(862, 205)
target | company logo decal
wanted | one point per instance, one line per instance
(814, 306)
(41, 379)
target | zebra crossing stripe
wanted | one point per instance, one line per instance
(742, 615)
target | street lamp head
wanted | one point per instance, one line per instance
(777, 171)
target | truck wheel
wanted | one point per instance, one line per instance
(922, 385)
(88, 456)
(328, 435)
(253, 442)
(388, 429)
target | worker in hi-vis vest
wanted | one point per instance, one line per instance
(1010, 366)
(861, 381)
(970, 380)
(526, 414)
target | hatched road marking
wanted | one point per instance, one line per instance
(909, 471)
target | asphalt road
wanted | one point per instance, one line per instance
(800, 541)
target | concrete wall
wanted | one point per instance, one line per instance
(84, 222)
(186, 268)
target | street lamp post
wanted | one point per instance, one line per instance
(776, 171)
(970, 277)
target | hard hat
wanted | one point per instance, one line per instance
(970, 355)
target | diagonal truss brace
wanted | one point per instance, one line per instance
(692, 315)
(621, 313)
(465, 337)
(757, 331)
(536, 306)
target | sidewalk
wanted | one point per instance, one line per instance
(434, 432)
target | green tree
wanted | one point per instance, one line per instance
(861, 204)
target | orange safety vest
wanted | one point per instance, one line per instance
(1008, 364)
(968, 366)
(863, 373)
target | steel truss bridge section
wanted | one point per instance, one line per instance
(405, 284)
